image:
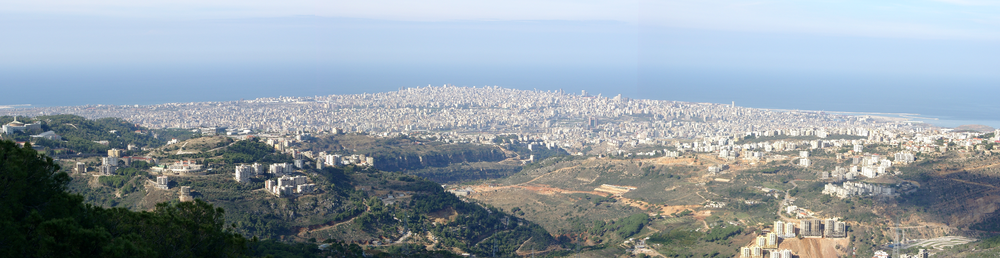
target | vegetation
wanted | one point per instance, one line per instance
(81, 135)
(39, 218)
(437, 161)
(251, 151)
(723, 233)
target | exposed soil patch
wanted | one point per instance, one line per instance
(814, 247)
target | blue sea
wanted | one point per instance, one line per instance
(944, 101)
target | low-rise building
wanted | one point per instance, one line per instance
(185, 194)
(49, 135)
(17, 126)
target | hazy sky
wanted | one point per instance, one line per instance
(810, 34)
(897, 46)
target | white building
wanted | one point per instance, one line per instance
(109, 161)
(106, 170)
(244, 172)
(804, 162)
(163, 182)
(258, 169)
(50, 135)
(783, 253)
(281, 169)
(17, 126)
(287, 185)
(184, 167)
(904, 157)
(869, 171)
(784, 230)
(849, 189)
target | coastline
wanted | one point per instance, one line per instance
(899, 117)
(907, 117)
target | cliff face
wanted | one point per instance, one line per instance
(399, 161)
(399, 154)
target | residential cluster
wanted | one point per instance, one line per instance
(849, 189)
(922, 253)
(810, 228)
(766, 243)
(180, 167)
(477, 114)
(283, 186)
(243, 172)
(337, 160)
(287, 185)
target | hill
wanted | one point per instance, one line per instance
(358, 205)
(81, 135)
(437, 161)
(40, 219)
(696, 204)
(578, 198)
(975, 128)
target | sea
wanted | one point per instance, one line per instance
(942, 101)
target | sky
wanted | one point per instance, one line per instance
(860, 53)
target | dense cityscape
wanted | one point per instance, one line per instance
(857, 158)
(475, 113)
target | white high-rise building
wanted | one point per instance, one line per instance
(332, 160)
(258, 169)
(243, 173)
(109, 161)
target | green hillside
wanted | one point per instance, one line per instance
(82, 135)
(351, 205)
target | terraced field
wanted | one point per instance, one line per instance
(941, 242)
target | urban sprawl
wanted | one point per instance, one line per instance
(581, 123)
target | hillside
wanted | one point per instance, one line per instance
(40, 219)
(434, 160)
(576, 198)
(81, 135)
(587, 206)
(351, 204)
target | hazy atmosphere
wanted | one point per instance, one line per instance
(545, 128)
(884, 56)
